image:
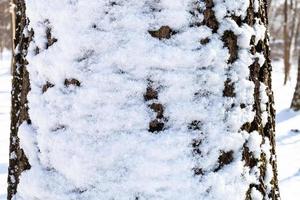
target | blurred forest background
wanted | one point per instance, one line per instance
(5, 25)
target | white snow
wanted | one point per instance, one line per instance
(116, 156)
(288, 142)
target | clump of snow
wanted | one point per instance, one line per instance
(253, 144)
(256, 195)
(228, 7)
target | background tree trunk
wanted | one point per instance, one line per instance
(5, 26)
(286, 39)
(296, 98)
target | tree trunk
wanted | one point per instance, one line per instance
(171, 109)
(20, 87)
(296, 98)
(286, 39)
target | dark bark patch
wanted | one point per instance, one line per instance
(249, 158)
(164, 32)
(72, 81)
(242, 105)
(156, 125)
(237, 19)
(198, 171)
(150, 94)
(256, 125)
(202, 93)
(228, 89)
(196, 24)
(204, 41)
(209, 3)
(195, 125)
(94, 26)
(113, 3)
(268, 129)
(252, 40)
(252, 50)
(50, 39)
(159, 109)
(47, 86)
(250, 15)
(260, 46)
(264, 74)
(224, 159)
(230, 41)
(196, 143)
(36, 50)
(246, 127)
(210, 19)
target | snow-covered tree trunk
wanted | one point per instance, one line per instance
(20, 87)
(142, 99)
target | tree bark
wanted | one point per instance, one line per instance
(296, 98)
(261, 75)
(20, 88)
(262, 123)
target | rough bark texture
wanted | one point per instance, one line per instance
(296, 98)
(258, 75)
(262, 75)
(20, 87)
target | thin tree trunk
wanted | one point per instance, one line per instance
(296, 98)
(286, 39)
(4, 25)
(19, 110)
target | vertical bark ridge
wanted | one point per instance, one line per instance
(18, 162)
(260, 74)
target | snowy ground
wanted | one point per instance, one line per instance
(5, 85)
(288, 142)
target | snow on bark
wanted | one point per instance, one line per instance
(145, 99)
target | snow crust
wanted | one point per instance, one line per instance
(92, 142)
